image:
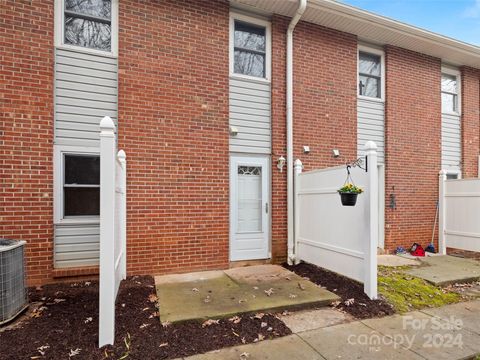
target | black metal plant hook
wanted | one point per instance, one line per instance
(358, 163)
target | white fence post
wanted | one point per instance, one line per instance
(442, 245)
(370, 284)
(122, 159)
(107, 230)
(292, 252)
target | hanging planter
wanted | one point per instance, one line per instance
(349, 191)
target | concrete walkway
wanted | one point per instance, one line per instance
(217, 294)
(451, 332)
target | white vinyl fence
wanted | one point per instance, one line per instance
(459, 210)
(113, 188)
(339, 238)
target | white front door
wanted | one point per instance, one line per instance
(249, 207)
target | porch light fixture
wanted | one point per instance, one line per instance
(281, 163)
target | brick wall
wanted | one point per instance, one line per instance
(325, 66)
(26, 130)
(413, 145)
(470, 97)
(173, 125)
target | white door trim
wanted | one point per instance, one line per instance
(253, 160)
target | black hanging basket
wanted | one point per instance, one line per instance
(348, 199)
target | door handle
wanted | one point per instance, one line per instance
(266, 207)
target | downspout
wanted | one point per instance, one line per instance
(302, 5)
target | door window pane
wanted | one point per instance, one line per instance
(249, 199)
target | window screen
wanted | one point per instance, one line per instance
(249, 49)
(449, 93)
(88, 23)
(369, 75)
(81, 185)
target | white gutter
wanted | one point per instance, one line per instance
(302, 5)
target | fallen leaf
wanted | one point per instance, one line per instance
(259, 316)
(163, 345)
(87, 283)
(285, 313)
(143, 326)
(145, 309)
(270, 329)
(336, 303)
(269, 292)
(235, 319)
(74, 352)
(166, 324)
(255, 288)
(195, 290)
(244, 341)
(210, 322)
(123, 305)
(155, 314)
(292, 296)
(234, 333)
(207, 299)
(87, 320)
(259, 338)
(349, 302)
(288, 278)
(263, 324)
(152, 298)
(301, 286)
(42, 349)
(244, 356)
(58, 301)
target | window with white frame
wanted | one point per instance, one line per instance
(77, 184)
(370, 73)
(450, 91)
(87, 24)
(81, 185)
(250, 46)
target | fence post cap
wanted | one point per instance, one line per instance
(442, 172)
(298, 162)
(121, 155)
(107, 124)
(370, 145)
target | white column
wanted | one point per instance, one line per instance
(107, 230)
(442, 244)
(293, 246)
(370, 284)
(122, 159)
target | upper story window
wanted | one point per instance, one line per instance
(450, 91)
(91, 25)
(250, 47)
(88, 23)
(370, 73)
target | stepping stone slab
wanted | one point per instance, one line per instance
(395, 260)
(431, 338)
(218, 295)
(445, 270)
(286, 348)
(355, 341)
(305, 320)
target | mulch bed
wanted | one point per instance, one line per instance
(361, 307)
(67, 323)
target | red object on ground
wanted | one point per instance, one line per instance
(417, 250)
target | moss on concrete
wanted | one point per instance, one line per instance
(406, 292)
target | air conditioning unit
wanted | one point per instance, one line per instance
(13, 292)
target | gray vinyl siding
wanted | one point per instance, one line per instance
(371, 126)
(85, 91)
(451, 142)
(77, 245)
(250, 113)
